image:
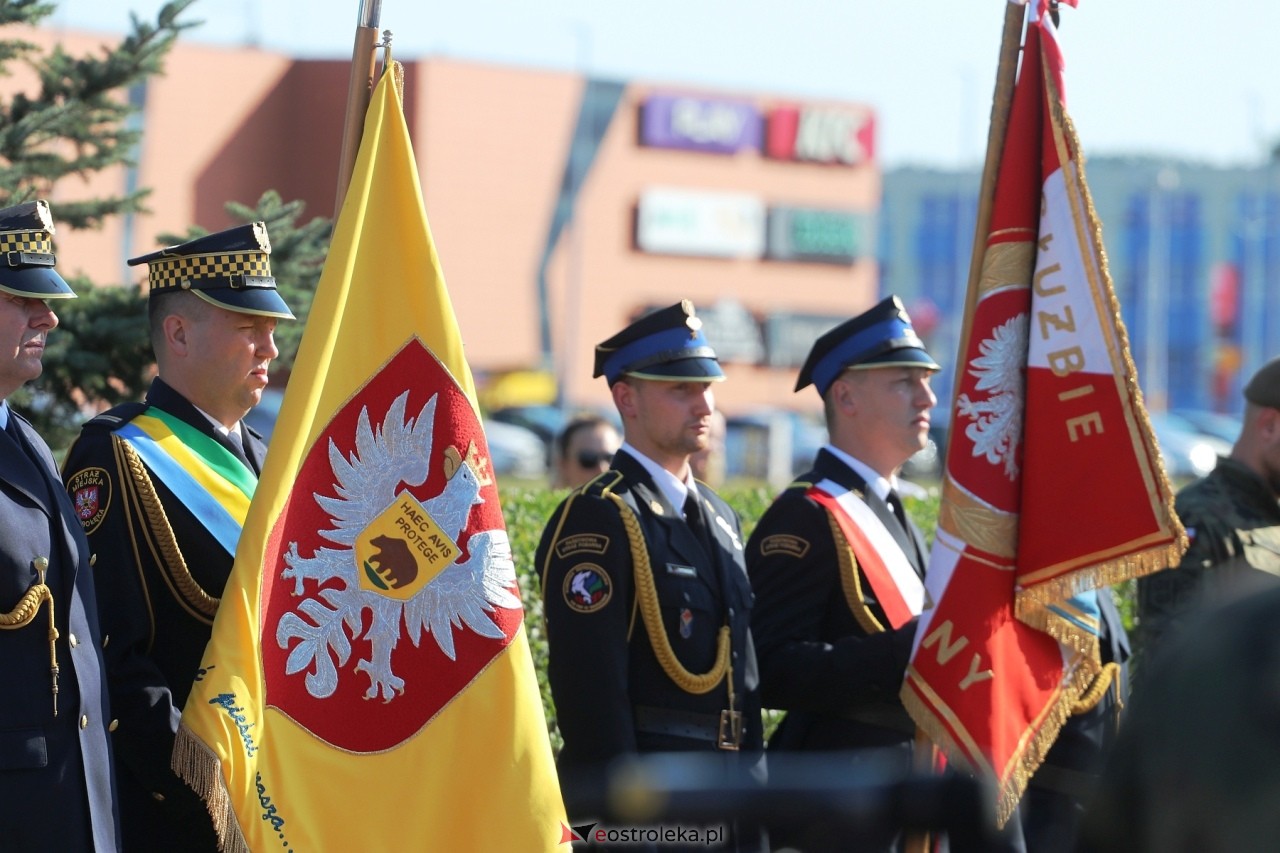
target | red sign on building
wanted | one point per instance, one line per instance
(844, 136)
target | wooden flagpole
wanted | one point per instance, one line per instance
(359, 90)
(1001, 104)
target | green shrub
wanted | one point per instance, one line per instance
(527, 509)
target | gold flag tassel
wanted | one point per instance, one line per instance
(200, 768)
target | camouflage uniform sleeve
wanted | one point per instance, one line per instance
(1167, 597)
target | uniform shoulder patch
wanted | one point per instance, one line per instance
(582, 543)
(587, 588)
(115, 416)
(784, 545)
(90, 490)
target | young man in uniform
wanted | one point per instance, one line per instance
(646, 595)
(838, 568)
(162, 488)
(836, 564)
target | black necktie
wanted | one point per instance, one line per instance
(895, 504)
(693, 516)
(235, 443)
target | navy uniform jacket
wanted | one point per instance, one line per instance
(838, 682)
(56, 786)
(158, 625)
(612, 696)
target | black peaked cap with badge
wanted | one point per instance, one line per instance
(666, 345)
(230, 269)
(882, 336)
(26, 253)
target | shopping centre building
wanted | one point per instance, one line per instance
(561, 206)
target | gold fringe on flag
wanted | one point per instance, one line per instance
(200, 768)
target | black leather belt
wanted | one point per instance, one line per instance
(723, 729)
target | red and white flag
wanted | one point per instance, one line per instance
(1053, 485)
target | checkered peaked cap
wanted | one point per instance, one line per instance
(231, 269)
(26, 253)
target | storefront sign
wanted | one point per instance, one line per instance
(842, 135)
(705, 224)
(809, 234)
(733, 332)
(789, 337)
(699, 124)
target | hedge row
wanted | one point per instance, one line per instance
(527, 509)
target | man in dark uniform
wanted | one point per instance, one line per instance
(56, 785)
(836, 564)
(162, 488)
(837, 567)
(646, 596)
(1232, 521)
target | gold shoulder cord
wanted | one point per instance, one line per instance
(24, 613)
(1089, 699)
(173, 565)
(849, 581)
(647, 596)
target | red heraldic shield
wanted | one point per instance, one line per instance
(386, 572)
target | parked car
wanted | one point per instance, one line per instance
(546, 421)
(772, 444)
(1217, 424)
(513, 450)
(262, 417)
(1187, 453)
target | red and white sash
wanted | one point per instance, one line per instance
(895, 583)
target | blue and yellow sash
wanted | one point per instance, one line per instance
(205, 476)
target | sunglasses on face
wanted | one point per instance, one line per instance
(589, 459)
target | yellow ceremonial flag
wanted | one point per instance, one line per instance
(369, 684)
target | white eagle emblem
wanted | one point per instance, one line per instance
(996, 426)
(370, 501)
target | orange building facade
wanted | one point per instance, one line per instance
(561, 206)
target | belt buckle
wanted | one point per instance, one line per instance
(730, 730)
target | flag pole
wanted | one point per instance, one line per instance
(1002, 102)
(359, 90)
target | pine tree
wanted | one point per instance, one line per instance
(75, 121)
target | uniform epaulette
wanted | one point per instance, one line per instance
(798, 484)
(602, 485)
(116, 415)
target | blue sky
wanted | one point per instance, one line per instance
(1180, 80)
